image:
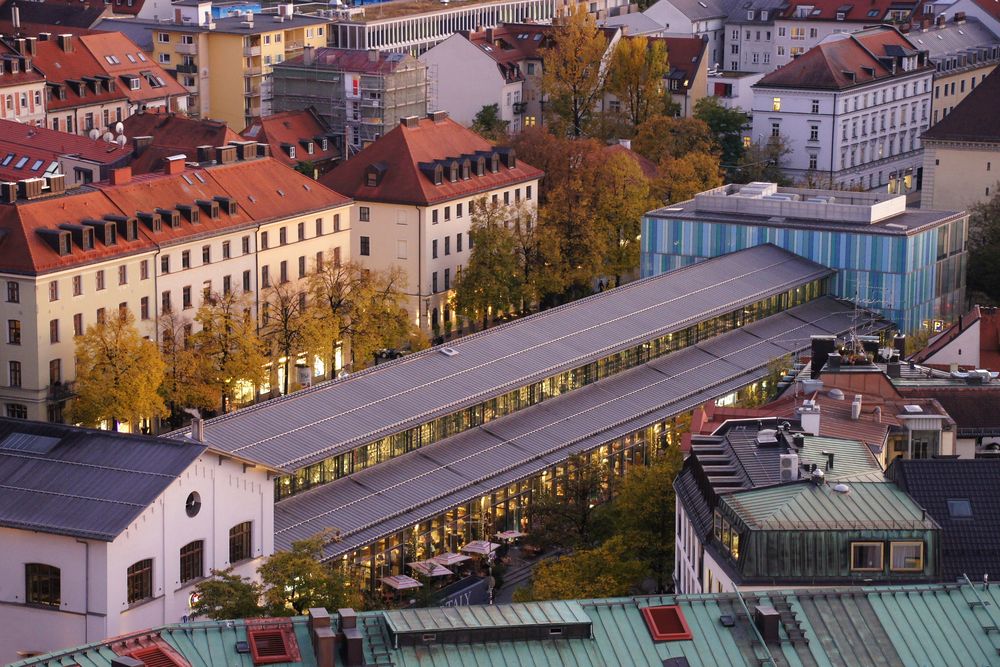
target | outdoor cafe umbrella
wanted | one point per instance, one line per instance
(449, 559)
(429, 568)
(481, 547)
(401, 582)
(510, 535)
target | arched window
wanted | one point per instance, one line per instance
(192, 561)
(240, 542)
(42, 584)
(140, 580)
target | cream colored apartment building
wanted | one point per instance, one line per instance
(146, 245)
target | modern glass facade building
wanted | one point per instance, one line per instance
(907, 264)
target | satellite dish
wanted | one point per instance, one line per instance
(94, 134)
(108, 137)
(119, 127)
(121, 140)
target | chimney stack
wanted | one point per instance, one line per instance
(175, 164)
(140, 144)
(767, 619)
(809, 414)
(308, 55)
(323, 637)
(121, 176)
(352, 655)
(821, 347)
(198, 429)
(66, 42)
(31, 44)
(856, 407)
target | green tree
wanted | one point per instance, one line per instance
(763, 161)
(916, 341)
(290, 327)
(225, 596)
(118, 375)
(230, 343)
(297, 580)
(609, 570)
(665, 136)
(570, 517)
(681, 178)
(983, 275)
(306, 167)
(573, 72)
(635, 77)
(186, 372)
(727, 128)
(644, 513)
(621, 195)
(491, 281)
(488, 124)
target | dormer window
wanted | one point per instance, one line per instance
(763, 15)
(324, 144)
(374, 174)
(480, 166)
(438, 174)
(466, 169)
(453, 172)
(494, 163)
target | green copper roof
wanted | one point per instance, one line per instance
(432, 619)
(850, 457)
(807, 506)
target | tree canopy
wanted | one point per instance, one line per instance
(609, 570)
(187, 379)
(118, 375)
(983, 274)
(573, 72)
(726, 126)
(681, 178)
(488, 123)
(229, 342)
(635, 77)
(665, 136)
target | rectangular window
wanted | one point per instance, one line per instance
(14, 332)
(814, 133)
(527, 192)
(434, 217)
(140, 581)
(13, 292)
(246, 281)
(506, 197)
(302, 231)
(165, 302)
(319, 226)
(186, 297)
(122, 275)
(53, 331)
(240, 542)
(225, 250)
(55, 371)
(263, 240)
(265, 276)
(906, 556)
(365, 246)
(227, 284)
(54, 290)
(144, 308)
(776, 104)
(283, 271)
(319, 261)
(15, 373)
(336, 222)
(78, 324)
(447, 245)
(206, 254)
(458, 210)
(302, 266)
(42, 583)
(245, 242)
(165, 264)
(336, 256)
(434, 282)
(434, 249)
(100, 279)
(364, 214)
(100, 316)
(447, 213)
(144, 269)
(282, 236)
(458, 242)
(186, 259)
(867, 556)
(447, 278)
(192, 561)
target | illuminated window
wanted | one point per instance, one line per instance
(906, 556)
(776, 104)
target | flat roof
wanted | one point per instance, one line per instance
(308, 426)
(262, 23)
(400, 9)
(769, 205)
(415, 486)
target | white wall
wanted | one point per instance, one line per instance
(963, 350)
(467, 79)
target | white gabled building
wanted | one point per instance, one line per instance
(852, 110)
(106, 533)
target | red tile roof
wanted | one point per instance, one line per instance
(404, 149)
(40, 143)
(872, 11)
(684, 56)
(130, 61)
(58, 66)
(648, 166)
(23, 76)
(843, 61)
(264, 190)
(173, 135)
(293, 128)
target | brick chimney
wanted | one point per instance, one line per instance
(323, 636)
(140, 144)
(66, 42)
(121, 176)
(175, 164)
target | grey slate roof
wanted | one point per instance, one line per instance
(694, 10)
(953, 38)
(308, 426)
(82, 482)
(386, 498)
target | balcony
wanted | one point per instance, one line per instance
(252, 71)
(60, 391)
(187, 69)
(186, 49)
(251, 51)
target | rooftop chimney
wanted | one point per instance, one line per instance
(767, 619)
(809, 417)
(66, 42)
(822, 346)
(140, 144)
(205, 153)
(353, 655)
(856, 407)
(31, 45)
(225, 154)
(175, 164)
(410, 121)
(121, 176)
(198, 429)
(323, 637)
(57, 184)
(437, 116)
(308, 55)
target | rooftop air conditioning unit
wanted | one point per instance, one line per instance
(789, 467)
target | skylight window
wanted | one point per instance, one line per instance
(38, 163)
(187, 180)
(6, 160)
(199, 176)
(112, 60)
(538, 37)
(130, 57)
(959, 508)
(20, 163)
(873, 13)
(141, 57)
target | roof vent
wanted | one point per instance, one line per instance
(449, 351)
(767, 437)
(842, 488)
(836, 394)
(913, 409)
(272, 645)
(666, 624)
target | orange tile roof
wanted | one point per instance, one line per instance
(684, 56)
(58, 66)
(873, 11)
(129, 57)
(41, 143)
(293, 128)
(404, 149)
(264, 190)
(843, 62)
(23, 76)
(173, 135)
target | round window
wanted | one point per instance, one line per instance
(193, 504)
